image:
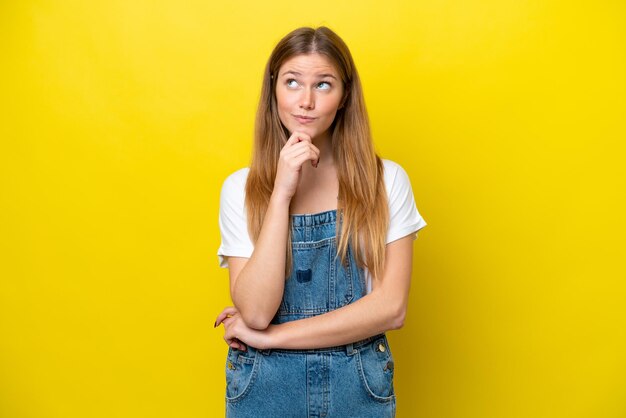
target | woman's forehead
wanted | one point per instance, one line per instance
(308, 64)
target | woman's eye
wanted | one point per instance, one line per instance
(325, 84)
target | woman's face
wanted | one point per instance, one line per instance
(308, 85)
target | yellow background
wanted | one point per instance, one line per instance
(120, 119)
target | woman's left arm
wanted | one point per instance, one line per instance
(383, 309)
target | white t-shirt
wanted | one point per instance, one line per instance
(404, 218)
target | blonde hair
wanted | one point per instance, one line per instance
(362, 209)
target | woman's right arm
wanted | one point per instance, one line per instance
(257, 284)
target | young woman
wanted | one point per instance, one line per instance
(317, 235)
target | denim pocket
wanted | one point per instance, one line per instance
(376, 365)
(241, 371)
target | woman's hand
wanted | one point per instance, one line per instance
(297, 150)
(237, 334)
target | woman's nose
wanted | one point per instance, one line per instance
(306, 101)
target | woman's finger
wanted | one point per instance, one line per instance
(229, 310)
(308, 155)
(233, 341)
(228, 337)
(307, 149)
(295, 138)
(303, 137)
(303, 145)
(295, 152)
(227, 321)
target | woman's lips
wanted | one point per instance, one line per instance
(304, 121)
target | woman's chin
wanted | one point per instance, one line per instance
(303, 129)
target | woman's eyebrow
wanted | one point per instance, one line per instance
(319, 75)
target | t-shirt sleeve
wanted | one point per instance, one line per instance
(404, 218)
(235, 240)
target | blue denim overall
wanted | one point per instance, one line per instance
(352, 380)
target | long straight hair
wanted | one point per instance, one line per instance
(362, 207)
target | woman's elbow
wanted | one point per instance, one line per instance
(395, 311)
(255, 321)
(397, 319)
(251, 316)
